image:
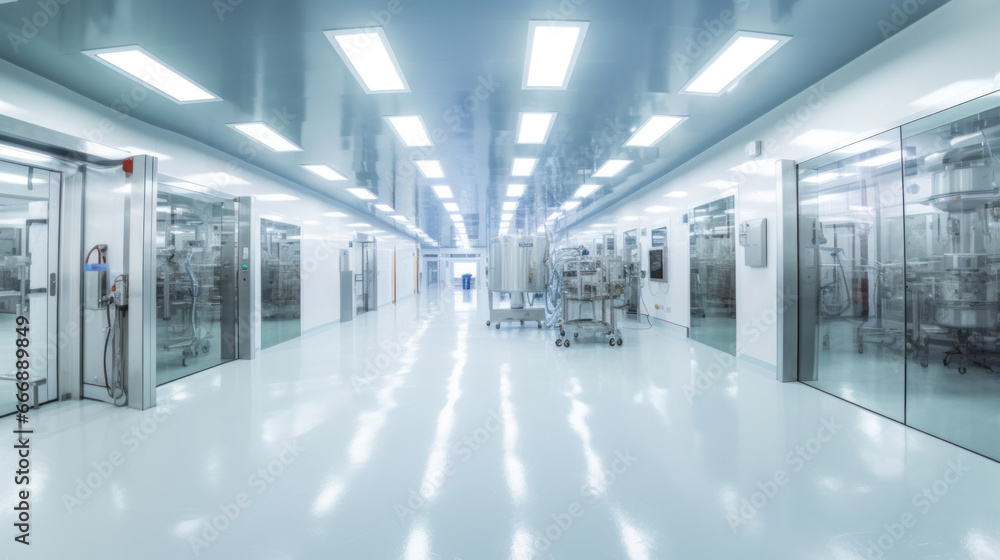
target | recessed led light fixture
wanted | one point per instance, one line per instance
(385, 208)
(443, 191)
(369, 56)
(823, 178)
(586, 190)
(534, 128)
(266, 135)
(510, 206)
(457, 217)
(430, 168)
(411, 130)
(741, 54)
(400, 218)
(523, 167)
(363, 194)
(515, 190)
(653, 130)
(570, 204)
(334, 214)
(676, 194)
(506, 217)
(276, 197)
(553, 48)
(325, 171)
(138, 64)
(721, 184)
(612, 167)
(554, 216)
(359, 225)
(657, 209)
(451, 207)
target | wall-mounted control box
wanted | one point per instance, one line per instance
(753, 239)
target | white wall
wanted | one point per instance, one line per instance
(944, 59)
(33, 99)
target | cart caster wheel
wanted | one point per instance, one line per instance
(620, 342)
(539, 325)
(488, 323)
(204, 348)
(924, 363)
(522, 323)
(184, 362)
(562, 333)
(861, 348)
(611, 343)
(498, 326)
(576, 335)
(559, 342)
(566, 343)
(962, 370)
(186, 353)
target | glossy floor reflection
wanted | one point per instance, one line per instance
(416, 432)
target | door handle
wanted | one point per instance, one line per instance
(52, 284)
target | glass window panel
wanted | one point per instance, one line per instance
(195, 282)
(713, 274)
(852, 298)
(280, 278)
(953, 271)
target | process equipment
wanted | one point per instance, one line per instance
(519, 276)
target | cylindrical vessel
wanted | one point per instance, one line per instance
(519, 263)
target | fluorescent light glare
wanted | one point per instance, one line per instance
(430, 168)
(516, 190)
(737, 58)
(523, 167)
(570, 204)
(370, 57)
(334, 214)
(456, 217)
(267, 136)
(534, 128)
(325, 171)
(586, 190)
(136, 63)
(443, 191)
(612, 167)
(506, 217)
(400, 218)
(359, 225)
(451, 207)
(510, 206)
(411, 130)
(363, 194)
(553, 48)
(676, 194)
(653, 130)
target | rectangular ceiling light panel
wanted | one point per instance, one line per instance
(534, 128)
(451, 207)
(553, 49)
(370, 57)
(523, 167)
(430, 169)
(516, 190)
(411, 130)
(653, 130)
(612, 167)
(744, 52)
(443, 191)
(267, 136)
(586, 190)
(325, 171)
(138, 64)
(363, 194)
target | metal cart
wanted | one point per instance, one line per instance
(590, 286)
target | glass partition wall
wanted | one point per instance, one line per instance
(899, 274)
(195, 282)
(713, 274)
(280, 282)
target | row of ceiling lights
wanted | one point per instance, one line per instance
(553, 48)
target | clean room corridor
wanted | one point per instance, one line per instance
(416, 432)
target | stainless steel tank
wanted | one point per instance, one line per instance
(519, 263)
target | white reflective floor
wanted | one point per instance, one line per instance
(465, 442)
